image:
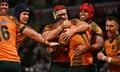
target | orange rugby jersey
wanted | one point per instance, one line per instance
(8, 28)
(19, 40)
(60, 54)
(76, 40)
(112, 48)
(95, 29)
(84, 39)
(84, 59)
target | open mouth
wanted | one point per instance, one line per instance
(82, 16)
(3, 9)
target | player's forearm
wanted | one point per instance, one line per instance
(48, 35)
(34, 35)
(40, 39)
(112, 60)
(115, 61)
(97, 45)
(81, 28)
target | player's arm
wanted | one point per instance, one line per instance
(115, 60)
(31, 33)
(35, 35)
(80, 26)
(97, 45)
(92, 47)
(97, 40)
(53, 33)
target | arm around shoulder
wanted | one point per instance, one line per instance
(37, 37)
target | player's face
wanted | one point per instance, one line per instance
(83, 15)
(24, 17)
(64, 16)
(3, 8)
(111, 28)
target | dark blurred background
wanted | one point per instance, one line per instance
(33, 54)
(43, 14)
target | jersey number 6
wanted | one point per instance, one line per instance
(4, 34)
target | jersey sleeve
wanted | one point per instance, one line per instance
(118, 45)
(20, 27)
(75, 21)
(96, 29)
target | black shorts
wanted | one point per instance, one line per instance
(59, 66)
(6, 66)
(82, 68)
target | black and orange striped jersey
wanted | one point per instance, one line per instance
(112, 49)
(83, 59)
(9, 26)
(83, 38)
(19, 40)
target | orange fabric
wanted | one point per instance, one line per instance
(112, 49)
(76, 40)
(62, 56)
(20, 39)
(114, 68)
(8, 50)
(95, 28)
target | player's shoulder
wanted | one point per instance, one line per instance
(12, 18)
(96, 28)
(118, 38)
(49, 27)
(74, 21)
(93, 23)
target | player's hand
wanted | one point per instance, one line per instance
(101, 56)
(80, 49)
(52, 44)
(67, 34)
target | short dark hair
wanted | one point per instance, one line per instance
(112, 18)
(4, 1)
